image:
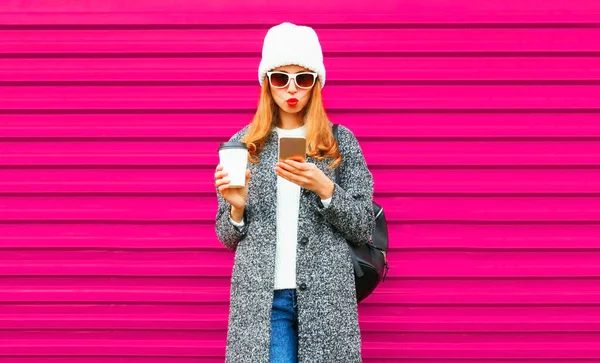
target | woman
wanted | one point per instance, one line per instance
(292, 292)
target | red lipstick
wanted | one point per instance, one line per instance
(292, 102)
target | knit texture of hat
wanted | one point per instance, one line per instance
(290, 44)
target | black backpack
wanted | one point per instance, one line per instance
(370, 262)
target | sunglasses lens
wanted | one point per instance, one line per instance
(305, 80)
(279, 79)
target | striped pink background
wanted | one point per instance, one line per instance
(479, 119)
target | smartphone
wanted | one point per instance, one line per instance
(292, 147)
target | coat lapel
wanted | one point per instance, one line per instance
(269, 157)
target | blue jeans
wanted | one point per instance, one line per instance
(284, 327)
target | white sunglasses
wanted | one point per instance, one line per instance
(303, 80)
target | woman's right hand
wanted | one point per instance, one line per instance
(235, 196)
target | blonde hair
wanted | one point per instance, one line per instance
(320, 143)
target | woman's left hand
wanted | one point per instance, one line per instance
(306, 175)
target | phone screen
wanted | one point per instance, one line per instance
(292, 148)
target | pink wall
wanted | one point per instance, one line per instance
(480, 121)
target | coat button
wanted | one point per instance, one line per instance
(304, 241)
(302, 287)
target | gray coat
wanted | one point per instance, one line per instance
(328, 329)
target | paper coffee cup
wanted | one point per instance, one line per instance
(233, 156)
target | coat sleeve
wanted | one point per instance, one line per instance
(351, 208)
(229, 234)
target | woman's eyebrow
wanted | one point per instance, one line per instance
(291, 72)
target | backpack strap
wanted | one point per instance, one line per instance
(334, 128)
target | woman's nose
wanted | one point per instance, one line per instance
(292, 87)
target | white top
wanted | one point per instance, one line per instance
(288, 204)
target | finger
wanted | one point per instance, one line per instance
(223, 187)
(221, 174)
(284, 173)
(288, 167)
(221, 182)
(219, 167)
(297, 165)
(294, 178)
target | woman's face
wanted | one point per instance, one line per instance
(284, 97)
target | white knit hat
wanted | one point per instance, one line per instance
(287, 44)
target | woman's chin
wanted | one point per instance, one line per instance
(289, 109)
